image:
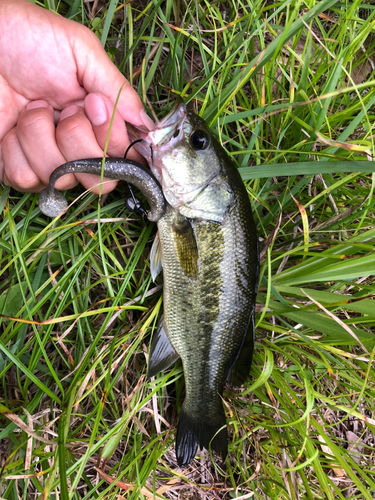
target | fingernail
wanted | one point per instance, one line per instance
(37, 104)
(69, 111)
(147, 122)
(96, 109)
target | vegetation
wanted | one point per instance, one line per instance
(288, 88)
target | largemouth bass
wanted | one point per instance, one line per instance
(207, 246)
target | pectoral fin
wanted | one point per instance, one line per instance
(186, 246)
(162, 355)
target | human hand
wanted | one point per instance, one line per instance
(55, 70)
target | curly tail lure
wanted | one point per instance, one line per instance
(52, 202)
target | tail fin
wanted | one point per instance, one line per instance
(199, 431)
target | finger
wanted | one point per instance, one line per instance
(15, 170)
(99, 110)
(76, 140)
(36, 134)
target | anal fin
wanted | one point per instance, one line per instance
(162, 354)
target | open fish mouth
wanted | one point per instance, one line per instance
(170, 127)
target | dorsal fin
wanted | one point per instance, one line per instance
(240, 369)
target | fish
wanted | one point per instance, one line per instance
(52, 202)
(207, 247)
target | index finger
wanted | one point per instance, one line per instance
(98, 74)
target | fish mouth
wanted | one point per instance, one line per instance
(166, 129)
(169, 125)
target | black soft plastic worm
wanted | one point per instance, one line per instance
(52, 202)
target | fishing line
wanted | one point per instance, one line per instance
(135, 142)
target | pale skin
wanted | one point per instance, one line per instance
(58, 89)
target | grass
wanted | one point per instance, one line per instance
(288, 88)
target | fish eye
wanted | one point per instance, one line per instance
(200, 140)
